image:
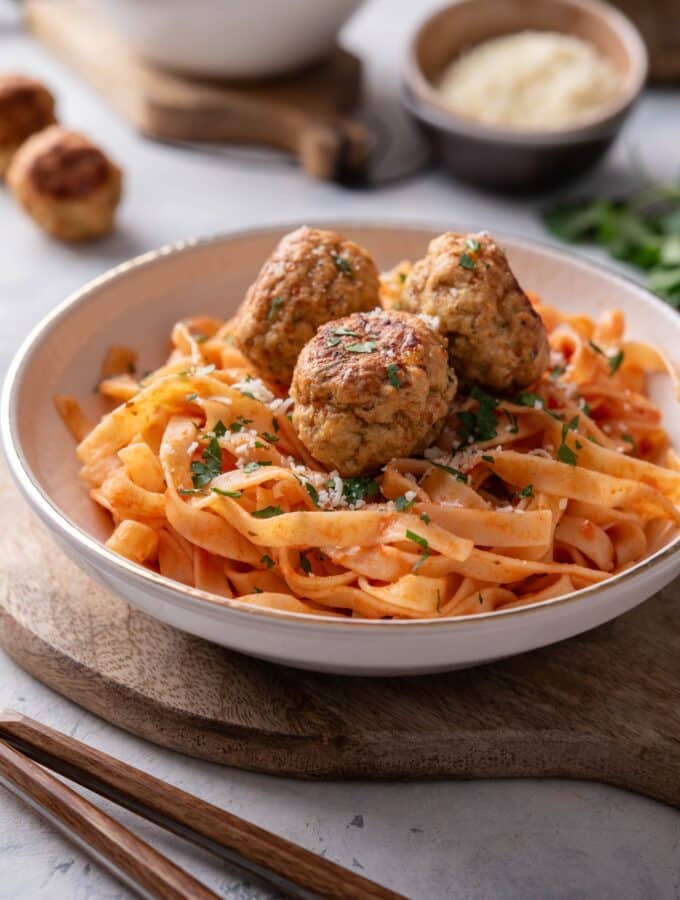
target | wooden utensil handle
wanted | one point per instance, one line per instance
(239, 841)
(129, 858)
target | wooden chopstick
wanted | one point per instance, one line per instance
(287, 866)
(128, 857)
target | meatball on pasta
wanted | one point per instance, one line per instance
(26, 106)
(371, 387)
(496, 339)
(68, 186)
(312, 277)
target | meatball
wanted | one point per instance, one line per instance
(26, 106)
(66, 184)
(312, 276)
(496, 339)
(370, 387)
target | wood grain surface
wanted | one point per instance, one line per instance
(603, 706)
(304, 114)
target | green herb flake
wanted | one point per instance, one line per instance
(275, 425)
(466, 261)
(393, 376)
(596, 348)
(267, 512)
(481, 425)
(528, 398)
(487, 458)
(615, 362)
(204, 472)
(401, 504)
(268, 436)
(402, 277)
(361, 488)
(333, 342)
(254, 466)
(191, 397)
(219, 429)
(257, 590)
(186, 491)
(267, 561)
(239, 424)
(457, 474)
(564, 453)
(527, 491)
(361, 347)
(513, 428)
(629, 439)
(425, 518)
(557, 371)
(305, 564)
(342, 264)
(234, 495)
(313, 493)
(422, 542)
(473, 244)
(276, 302)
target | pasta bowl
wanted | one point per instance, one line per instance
(137, 303)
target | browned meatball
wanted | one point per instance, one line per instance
(66, 183)
(371, 387)
(496, 339)
(312, 276)
(26, 106)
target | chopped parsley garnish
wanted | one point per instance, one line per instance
(629, 439)
(313, 493)
(527, 398)
(402, 277)
(457, 474)
(205, 370)
(393, 376)
(275, 425)
(211, 467)
(466, 261)
(355, 489)
(473, 245)
(527, 491)
(425, 518)
(248, 394)
(257, 590)
(514, 425)
(596, 348)
(305, 564)
(259, 445)
(422, 542)
(254, 466)
(333, 342)
(556, 371)
(572, 425)
(239, 424)
(564, 453)
(345, 332)
(615, 362)
(361, 347)
(267, 512)
(268, 436)
(593, 440)
(187, 491)
(482, 425)
(219, 429)
(342, 263)
(487, 458)
(267, 561)
(401, 504)
(276, 302)
(233, 494)
(191, 397)
(200, 338)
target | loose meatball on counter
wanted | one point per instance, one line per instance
(371, 387)
(312, 277)
(26, 106)
(496, 339)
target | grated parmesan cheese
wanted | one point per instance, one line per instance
(535, 80)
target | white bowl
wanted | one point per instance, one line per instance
(229, 38)
(137, 303)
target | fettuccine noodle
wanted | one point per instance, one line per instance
(520, 500)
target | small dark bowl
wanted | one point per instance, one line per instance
(512, 159)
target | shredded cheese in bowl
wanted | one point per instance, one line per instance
(535, 80)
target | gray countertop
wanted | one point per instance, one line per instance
(495, 839)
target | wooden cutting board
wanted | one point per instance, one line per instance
(604, 706)
(304, 114)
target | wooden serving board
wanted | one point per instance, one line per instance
(604, 706)
(303, 113)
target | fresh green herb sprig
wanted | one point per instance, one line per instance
(642, 229)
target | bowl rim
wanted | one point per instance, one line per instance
(423, 99)
(64, 528)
